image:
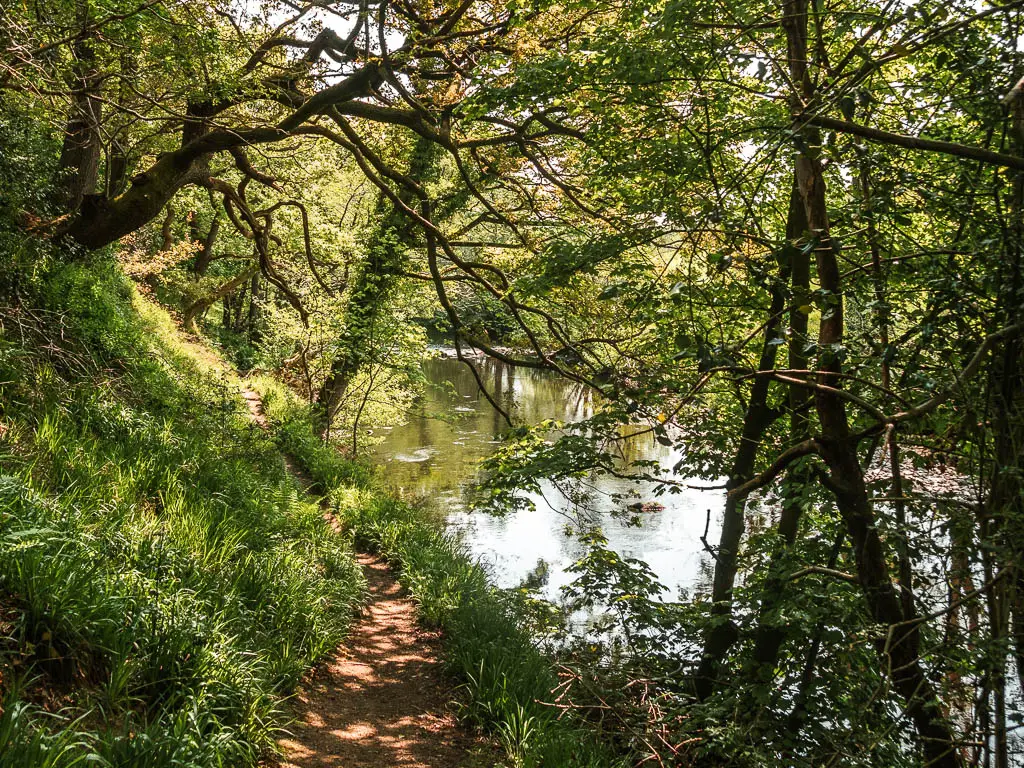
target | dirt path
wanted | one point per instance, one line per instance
(255, 405)
(380, 701)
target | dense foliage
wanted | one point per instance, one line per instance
(786, 239)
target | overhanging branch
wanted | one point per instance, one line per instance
(916, 142)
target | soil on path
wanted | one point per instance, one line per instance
(259, 418)
(380, 701)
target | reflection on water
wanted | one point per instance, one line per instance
(434, 457)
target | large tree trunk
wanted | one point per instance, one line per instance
(1013, 401)
(1002, 518)
(373, 286)
(78, 168)
(101, 221)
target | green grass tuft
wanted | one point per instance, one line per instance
(164, 584)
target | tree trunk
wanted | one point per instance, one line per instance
(373, 285)
(769, 635)
(78, 168)
(1003, 510)
(117, 169)
(759, 416)
(198, 307)
(1011, 421)
(898, 648)
(167, 230)
(254, 331)
(101, 221)
(205, 254)
(236, 325)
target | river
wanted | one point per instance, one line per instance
(433, 458)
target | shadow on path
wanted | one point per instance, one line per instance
(379, 701)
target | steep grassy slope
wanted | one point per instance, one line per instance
(163, 584)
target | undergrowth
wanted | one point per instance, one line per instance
(508, 683)
(163, 583)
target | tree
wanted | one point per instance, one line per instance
(786, 239)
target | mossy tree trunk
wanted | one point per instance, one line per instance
(78, 168)
(374, 284)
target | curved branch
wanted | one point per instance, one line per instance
(968, 371)
(242, 164)
(915, 142)
(784, 459)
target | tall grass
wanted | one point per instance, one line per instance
(294, 434)
(163, 583)
(507, 681)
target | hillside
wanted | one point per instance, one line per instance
(164, 581)
(168, 575)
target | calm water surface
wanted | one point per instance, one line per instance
(434, 456)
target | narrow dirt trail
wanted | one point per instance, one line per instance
(380, 701)
(255, 406)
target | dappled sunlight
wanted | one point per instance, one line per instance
(380, 701)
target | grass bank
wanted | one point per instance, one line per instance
(507, 681)
(163, 583)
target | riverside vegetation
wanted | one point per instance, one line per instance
(165, 584)
(783, 242)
